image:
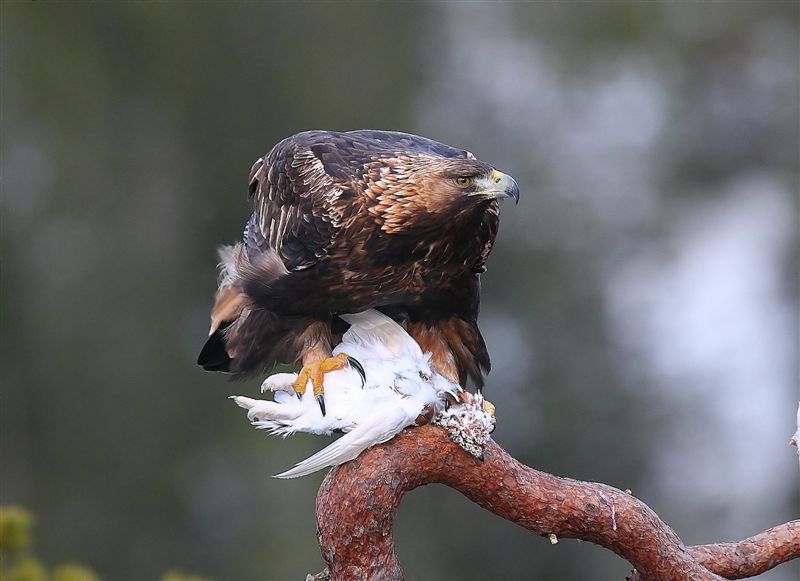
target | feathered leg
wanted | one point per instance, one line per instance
(432, 339)
(457, 350)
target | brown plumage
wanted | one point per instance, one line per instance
(344, 222)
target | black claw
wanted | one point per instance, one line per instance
(299, 395)
(446, 403)
(355, 364)
(321, 402)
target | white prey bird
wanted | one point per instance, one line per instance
(400, 390)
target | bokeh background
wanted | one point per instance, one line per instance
(641, 304)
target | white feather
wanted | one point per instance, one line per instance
(400, 384)
(373, 329)
(376, 428)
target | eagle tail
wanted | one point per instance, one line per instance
(214, 355)
(243, 340)
(228, 306)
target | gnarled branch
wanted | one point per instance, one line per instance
(753, 555)
(357, 502)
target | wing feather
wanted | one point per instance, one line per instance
(284, 189)
(298, 189)
(373, 327)
(379, 427)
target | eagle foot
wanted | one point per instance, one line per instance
(316, 373)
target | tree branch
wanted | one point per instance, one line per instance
(357, 503)
(753, 555)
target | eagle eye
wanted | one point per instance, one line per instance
(464, 181)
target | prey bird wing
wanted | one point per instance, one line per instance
(401, 390)
(373, 328)
(380, 426)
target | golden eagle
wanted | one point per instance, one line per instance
(347, 221)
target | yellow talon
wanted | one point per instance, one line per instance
(316, 373)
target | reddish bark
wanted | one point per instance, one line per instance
(357, 502)
(753, 555)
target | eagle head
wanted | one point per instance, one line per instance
(425, 189)
(473, 180)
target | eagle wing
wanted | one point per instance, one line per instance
(295, 210)
(309, 184)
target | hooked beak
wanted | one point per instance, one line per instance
(503, 186)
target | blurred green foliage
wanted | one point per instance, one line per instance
(17, 562)
(24, 569)
(181, 576)
(15, 529)
(72, 572)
